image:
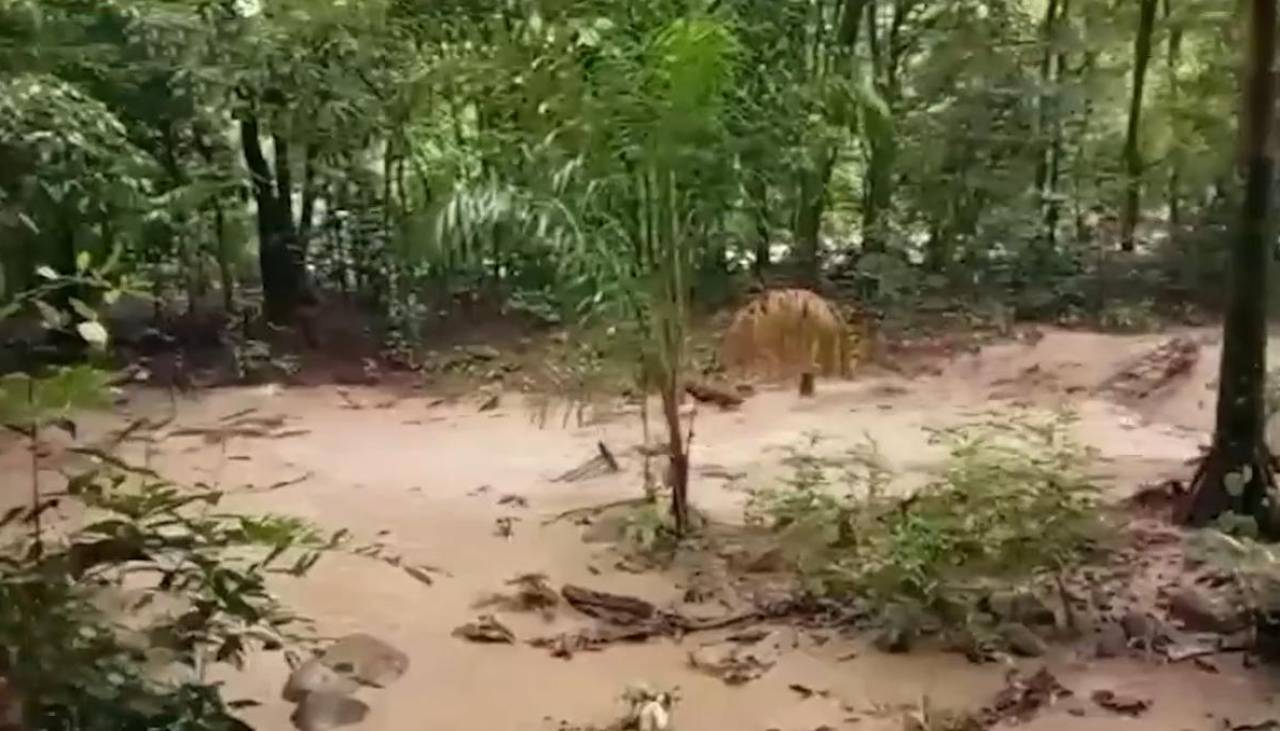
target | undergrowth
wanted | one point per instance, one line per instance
(119, 590)
(1011, 501)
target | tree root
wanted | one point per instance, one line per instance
(1208, 496)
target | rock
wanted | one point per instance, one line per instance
(313, 676)
(1020, 606)
(734, 664)
(322, 711)
(1122, 704)
(894, 640)
(483, 352)
(486, 629)
(366, 659)
(1112, 642)
(1021, 640)
(767, 561)
(738, 663)
(1197, 612)
(900, 630)
(1101, 598)
(1137, 626)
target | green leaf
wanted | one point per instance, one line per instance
(93, 333)
(53, 318)
(46, 271)
(84, 311)
(82, 261)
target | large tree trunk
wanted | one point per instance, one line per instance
(1132, 150)
(283, 273)
(1239, 446)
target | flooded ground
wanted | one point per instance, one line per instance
(433, 482)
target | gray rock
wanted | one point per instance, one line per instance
(899, 633)
(1137, 626)
(366, 659)
(894, 640)
(1020, 606)
(1197, 612)
(1021, 640)
(323, 711)
(483, 352)
(735, 663)
(1112, 642)
(313, 676)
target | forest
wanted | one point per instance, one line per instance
(903, 362)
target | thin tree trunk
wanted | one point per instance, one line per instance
(878, 176)
(306, 214)
(1239, 445)
(1049, 197)
(283, 277)
(813, 201)
(226, 274)
(677, 455)
(1175, 158)
(1047, 27)
(813, 185)
(1132, 147)
(759, 191)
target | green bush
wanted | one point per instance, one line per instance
(189, 582)
(1011, 500)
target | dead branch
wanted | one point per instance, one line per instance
(603, 462)
(595, 509)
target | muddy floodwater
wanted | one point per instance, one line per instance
(468, 493)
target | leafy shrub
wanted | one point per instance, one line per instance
(195, 583)
(189, 582)
(1011, 499)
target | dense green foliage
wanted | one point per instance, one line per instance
(548, 150)
(1011, 501)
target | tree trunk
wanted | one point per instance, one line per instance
(283, 275)
(223, 253)
(306, 214)
(878, 175)
(1175, 157)
(759, 192)
(813, 202)
(813, 185)
(677, 455)
(877, 194)
(1048, 124)
(225, 274)
(1132, 151)
(1239, 445)
(1047, 27)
